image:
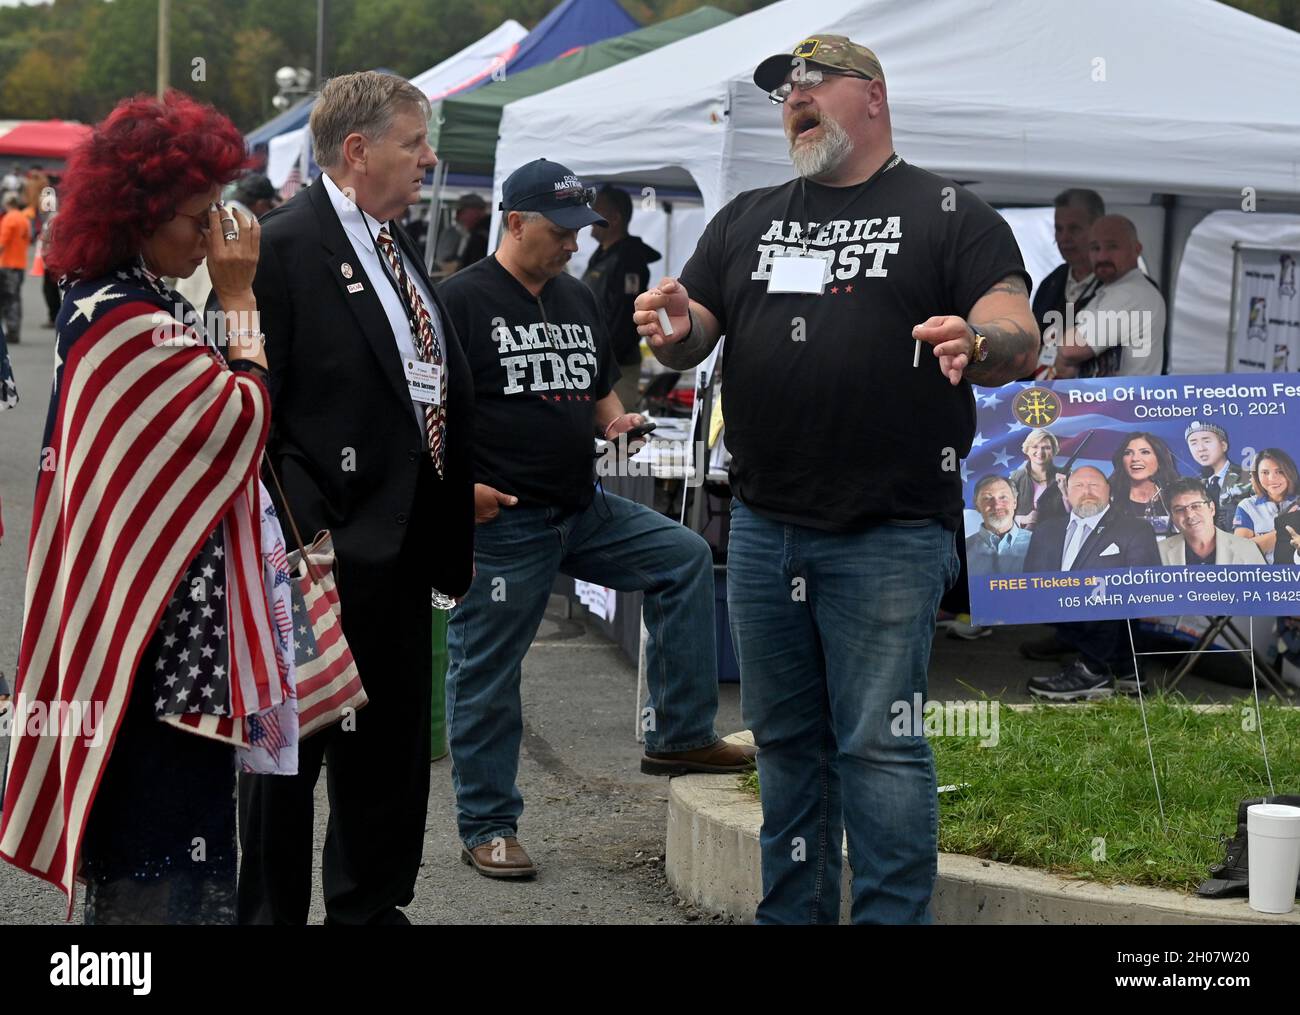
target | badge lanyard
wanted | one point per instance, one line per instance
(805, 226)
(383, 267)
(801, 273)
(424, 380)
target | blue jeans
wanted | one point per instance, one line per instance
(830, 630)
(616, 543)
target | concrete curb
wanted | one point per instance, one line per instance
(712, 861)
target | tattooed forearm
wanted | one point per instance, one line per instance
(691, 351)
(1011, 286)
(1013, 350)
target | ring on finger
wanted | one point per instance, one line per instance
(232, 236)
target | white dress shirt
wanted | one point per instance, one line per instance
(1076, 534)
(1073, 289)
(1133, 293)
(361, 227)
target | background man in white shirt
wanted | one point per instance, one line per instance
(1121, 332)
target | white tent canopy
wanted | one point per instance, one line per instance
(1201, 316)
(473, 63)
(283, 152)
(1022, 97)
(1169, 108)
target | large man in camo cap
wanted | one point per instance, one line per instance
(862, 300)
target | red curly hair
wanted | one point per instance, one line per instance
(128, 178)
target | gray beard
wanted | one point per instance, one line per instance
(1088, 510)
(823, 156)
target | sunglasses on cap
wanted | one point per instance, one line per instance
(576, 195)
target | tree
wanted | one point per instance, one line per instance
(39, 87)
(257, 56)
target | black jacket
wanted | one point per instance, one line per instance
(344, 436)
(1051, 295)
(1133, 537)
(618, 276)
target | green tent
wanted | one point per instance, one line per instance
(463, 128)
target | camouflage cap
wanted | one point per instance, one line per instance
(834, 51)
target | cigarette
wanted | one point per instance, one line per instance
(916, 356)
(665, 325)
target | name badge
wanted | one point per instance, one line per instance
(798, 274)
(424, 380)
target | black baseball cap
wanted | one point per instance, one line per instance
(256, 187)
(553, 190)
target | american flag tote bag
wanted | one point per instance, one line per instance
(327, 679)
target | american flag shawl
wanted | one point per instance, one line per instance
(150, 443)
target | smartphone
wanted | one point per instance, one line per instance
(641, 431)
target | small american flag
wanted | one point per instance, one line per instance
(264, 731)
(291, 183)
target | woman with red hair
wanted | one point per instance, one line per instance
(148, 655)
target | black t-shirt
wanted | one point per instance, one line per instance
(618, 275)
(829, 424)
(540, 365)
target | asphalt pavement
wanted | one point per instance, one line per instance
(593, 823)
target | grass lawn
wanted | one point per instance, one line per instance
(1069, 790)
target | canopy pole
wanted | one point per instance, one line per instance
(1170, 203)
(431, 234)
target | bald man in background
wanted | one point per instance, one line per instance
(1121, 332)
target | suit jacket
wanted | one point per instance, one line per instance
(344, 435)
(1050, 297)
(1234, 488)
(1228, 549)
(1133, 537)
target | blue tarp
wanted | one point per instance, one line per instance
(291, 119)
(571, 24)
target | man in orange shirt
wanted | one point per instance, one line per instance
(15, 236)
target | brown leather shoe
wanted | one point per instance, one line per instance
(499, 858)
(720, 758)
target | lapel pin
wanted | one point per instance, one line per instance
(355, 287)
(346, 269)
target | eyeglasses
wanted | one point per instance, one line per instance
(808, 79)
(1184, 510)
(199, 220)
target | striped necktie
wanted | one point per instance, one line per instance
(426, 344)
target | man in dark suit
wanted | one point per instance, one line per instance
(1094, 536)
(371, 436)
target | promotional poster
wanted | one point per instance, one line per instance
(1124, 497)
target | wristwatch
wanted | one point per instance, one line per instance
(980, 350)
